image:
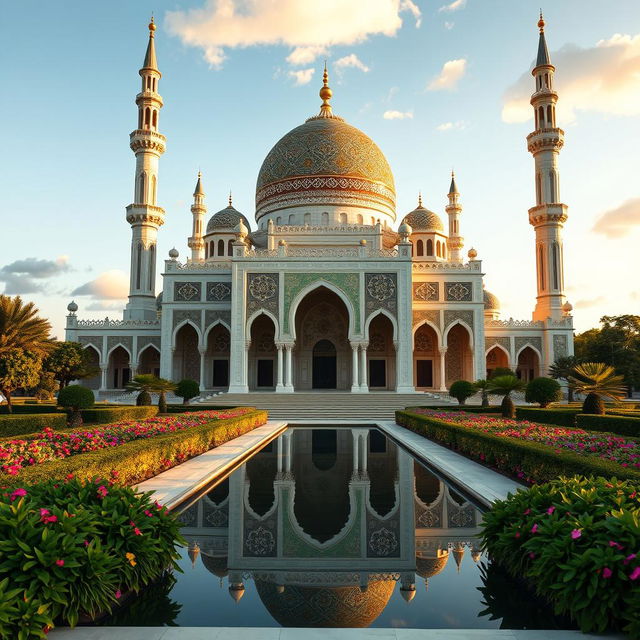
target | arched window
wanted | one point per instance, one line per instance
(552, 186)
(538, 189)
(138, 264)
(147, 117)
(292, 218)
(220, 248)
(155, 118)
(549, 116)
(429, 247)
(343, 218)
(307, 218)
(211, 249)
(360, 219)
(152, 268)
(206, 250)
(325, 218)
(278, 221)
(420, 248)
(139, 118)
(555, 257)
(438, 249)
(541, 116)
(153, 189)
(541, 266)
(230, 248)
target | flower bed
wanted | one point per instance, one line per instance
(578, 541)
(601, 445)
(51, 445)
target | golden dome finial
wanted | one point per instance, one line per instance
(325, 93)
(419, 198)
(230, 198)
(152, 27)
(541, 22)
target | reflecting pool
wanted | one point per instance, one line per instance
(335, 527)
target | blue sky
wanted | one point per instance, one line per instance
(232, 87)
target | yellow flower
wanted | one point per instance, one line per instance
(131, 557)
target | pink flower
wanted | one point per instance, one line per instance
(86, 543)
(606, 572)
(102, 491)
(576, 533)
(635, 574)
(550, 510)
(18, 493)
(617, 545)
(148, 513)
(46, 518)
(517, 534)
(527, 512)
(118, 594)
(629, 558)
(532, 555)
(534, 528)
(60, 563)
(137, 531)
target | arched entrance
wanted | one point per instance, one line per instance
(149, 361)
(119, 368)
(186, 357)
(496, 359)
(528, 365)
(324, 367)
(426, 358)
(93, 360)
(459, 356)
(262, 354)
(381, 354)
(217, 358)
(322, 321)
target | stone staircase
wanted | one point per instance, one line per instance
(302, 406)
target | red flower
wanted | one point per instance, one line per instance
(118, 594)
(60, 563)
(607, 573)
(137, 531)
(534, 528)
(102, 491)
(629, 558)
(18, 493)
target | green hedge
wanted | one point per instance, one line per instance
(11, 425)
(115, 413)
(20, 409)
(621, 425)
(474, 408)
(530, 461)
(138, 460)
(558, 416)
(631, 413)
(188, 408)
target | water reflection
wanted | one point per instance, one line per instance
(326, 522)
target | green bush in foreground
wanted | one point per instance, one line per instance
(461, 390)
(622, 425)
(19, 425)
(72, 548)
(543, 391)
(187, 389)
(578, 541)
(76, 397)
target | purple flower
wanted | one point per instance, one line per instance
(576, 533)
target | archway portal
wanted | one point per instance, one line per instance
(322, 352)
(496, 359)
(186, 357)
(528, 365)
(262, 354)
(119, 368)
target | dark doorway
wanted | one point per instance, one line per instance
(425, 373)
(377, 373)
(220, 373)
(265, 373)
(324, 448)
(324, 365)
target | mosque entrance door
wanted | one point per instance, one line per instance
(424, 373)
(324, 365)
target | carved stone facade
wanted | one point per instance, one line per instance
(458, 291)
(187, 291)
(262, 292)
(426, 291)
(560, 346)
(381, 292)
(218, 291)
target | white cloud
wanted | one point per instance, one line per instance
(302, 76)
(220, 25)
(305, 55)
(110, 285)
(587, 303)
(620, 221)
(604, 78)
(351, 60)
(451, 73)
(392, 114)
(453, 6)
(450, 126)
(448, 25)
(21, 276)
(102, 305)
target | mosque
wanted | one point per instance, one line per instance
(330, 288)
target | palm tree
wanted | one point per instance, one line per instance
(142, 384)
(22, 328)
(596, 379)
(483, 386)
(562, 369)
(504, 386)
(162, 387)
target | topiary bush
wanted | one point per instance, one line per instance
(187, 389)
(502, 371)
(143, 399)
(461, 390)
(76, 397)
(621, 425)
(74, 548)
(577, 540)
(543, 391)
(562, 416)
(593, 404)
(12, 425)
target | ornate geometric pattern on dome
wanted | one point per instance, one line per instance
(458, 291)
(422, 219)
(429, 567)
(186, 291)
(426, 291)
(227, 219)
(218, 291)
(490, 300)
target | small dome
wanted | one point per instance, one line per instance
(567, 307)
(173, 253)
(215, 564)
(429, 567)
(421, 219)
(226, 220)
(72, 307)
(491, 302)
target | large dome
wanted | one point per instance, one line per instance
(325, 161)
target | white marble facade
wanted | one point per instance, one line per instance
(326, 291)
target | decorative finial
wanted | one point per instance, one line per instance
(541, 22)
(230, 198)
(325, 93)
(152, 27)
(419, 198)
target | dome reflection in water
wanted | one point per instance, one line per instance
(338, 527)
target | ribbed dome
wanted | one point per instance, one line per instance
(216, 565)
(429, 567)
(325, 161)
(421, 219)
(226, 219)
(491, 302)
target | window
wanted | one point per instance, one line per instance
(420, 248)
(541, 266)
(325, 218)
(429, 247)
(139, 118)
(552, 186)
(554, 256)
(152, 268)
(541, 116)
(278, 221)
(211, 248)
(549, 116)
(206, 250)
(538, 189)
(153, 189)
(141, 188)
(230, 248)
(155, 118)
(438, 249)
(292, 218)
(307, 218)
(138, 264)
(343, 218)
(147, 117)
(360, 219)
(220, 248)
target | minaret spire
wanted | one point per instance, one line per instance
(144, 215)
(549, 214)
(455, 242)
(199, 210)
(326, 111)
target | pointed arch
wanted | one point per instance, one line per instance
(182, 324)
(498, 346)
(258, 313)
(429, 324)
(382, 312)
(213, 325)
(114, 347)
(98, 350)
(524, 346)
(150, 345)
(462, 323)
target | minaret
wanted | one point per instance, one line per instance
(144, 216)
(455, 242)
(198, 209)
(549, 214)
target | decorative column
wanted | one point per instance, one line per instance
(356, 450)
(443, 369)
(203, 353)
(133, 369)
(289, 369)
(104, 369)
(355, 386)
(364, 384)
(280, 386)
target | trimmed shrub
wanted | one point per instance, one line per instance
(71, 548)
(187, 389)
(105, 415)
(182, 408)
(622, 425)
(529, 461)
(11, 425)
(594, 404)
(138, 460)
(35, 407)
(575, 539)
(76, 397)
(461, 390)
(543, 391)
(557, 416)
(143, 399)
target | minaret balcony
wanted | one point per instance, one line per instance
(147, 140)
(150, 98)
(548, 213)
(549, 139)
(149, 214)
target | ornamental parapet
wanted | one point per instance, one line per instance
(174, 266)
(514, 324)
(545, 140)
(549, 212)
(145, 214)
(149, 97)
(326, 229)
(476, 265)
(147, 140)
(117, 324)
